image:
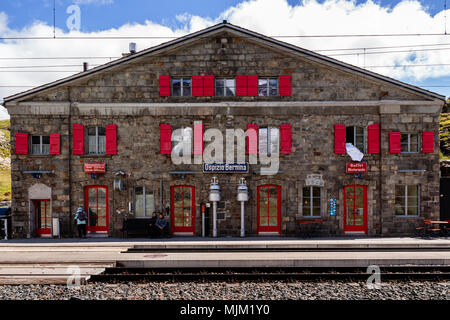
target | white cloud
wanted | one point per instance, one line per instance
(269, 17)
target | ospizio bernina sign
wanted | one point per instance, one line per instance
(225, 167)
(356, 167)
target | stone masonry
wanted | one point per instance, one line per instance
(323, 94)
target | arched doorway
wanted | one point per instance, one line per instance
(40, 196)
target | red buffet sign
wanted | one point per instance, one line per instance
(356, 167)
(94, 167)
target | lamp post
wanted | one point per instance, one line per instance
(242, 197)
(214, 197)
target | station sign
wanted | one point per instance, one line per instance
(225, 167)
(356, 167)
(94, 167)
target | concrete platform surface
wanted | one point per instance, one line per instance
(49, 261)
(221, 242)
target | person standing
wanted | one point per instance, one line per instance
(81, 218)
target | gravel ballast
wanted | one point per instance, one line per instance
(223, 290)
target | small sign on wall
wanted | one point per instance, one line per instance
(333, 203)
(314, 180)
(94, 167)
(356, 167)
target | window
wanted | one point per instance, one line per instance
(40, 144)
(269, 140)
(181, 87)
(225, 88)
(409, 143)
(355, 136)
(96, 138)
(267, 87)
(407, 200)
(144, 202)
(311, 201)
(182, 142)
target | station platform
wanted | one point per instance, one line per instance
(53, 260)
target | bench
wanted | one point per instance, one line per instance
(309, 228)
(432, 228)
(136, 227)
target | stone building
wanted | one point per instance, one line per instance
(102, 139)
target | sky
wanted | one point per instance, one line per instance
(418, 60)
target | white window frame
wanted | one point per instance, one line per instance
(409, 143)
(405, 200)
(225, 86)
(96, 141)
(310, 209)
(181, 86)
(354, 138)
(268, 87)
(40, 145)
(270, 147)
(144, 204)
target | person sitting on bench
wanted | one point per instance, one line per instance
(161, 224)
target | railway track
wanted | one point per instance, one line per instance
(391, 273)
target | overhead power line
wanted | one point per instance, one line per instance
(203, 37)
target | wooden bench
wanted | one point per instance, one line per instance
(136, 227)
(309, 227)
(429, 228)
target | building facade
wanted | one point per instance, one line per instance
(103, 139)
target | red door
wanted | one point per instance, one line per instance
(43, 217)
(96, 206)
(269, 208)
(355, 208)
(182, 216)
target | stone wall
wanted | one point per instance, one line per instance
(125, 93)
(312, 153)
(312, 80)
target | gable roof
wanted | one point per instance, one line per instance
(223, 27)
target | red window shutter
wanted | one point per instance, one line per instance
(252, 85)
(198, 138)
(241, 85)
(164, 86)
(165, 131)
(394, 142)
(428, 141)
(373, 138)
(21, 143)
(285, 138)
(339, 139)
(285, 85)
(55, 143)
(111, 139)
(197, 86)
(252, 138)
(77, 139)
(208, 86)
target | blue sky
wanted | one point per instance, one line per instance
(271, 17)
